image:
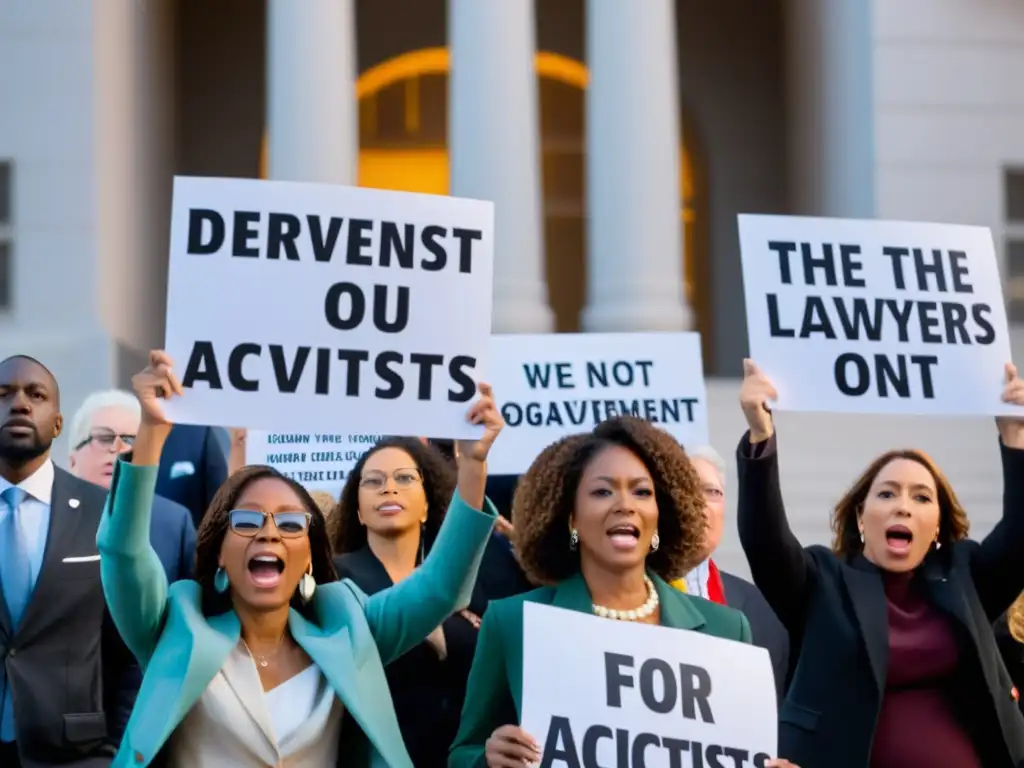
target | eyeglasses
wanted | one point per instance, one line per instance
(105, 438)
(375, 479)
(249, 522)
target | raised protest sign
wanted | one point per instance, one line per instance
(294, 304)
(624, 693)
(552, 385)
(875, 316)
(320, 461)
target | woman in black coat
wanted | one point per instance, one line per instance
(896, 664)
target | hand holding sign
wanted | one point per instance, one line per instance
(1011, 428)
(511, 747)
(755, 394)
(484, 412)
(154, 383)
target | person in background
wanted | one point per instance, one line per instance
(63, 661)
(391, 508)
(268, 659)
(896, 664)
(603, 519)
(325, 501)
(192, 468)
(707, 581)
(104, 428)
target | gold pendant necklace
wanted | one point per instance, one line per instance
(263, 661)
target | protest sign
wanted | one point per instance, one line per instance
(551, 385)
(876, 316)
(294, 304)
(625, 693)
(320, 461)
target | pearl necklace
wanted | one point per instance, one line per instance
(638, 614)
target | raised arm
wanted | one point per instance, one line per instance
(998, 577)
(134, 581)
(780, 567)
(401, 616)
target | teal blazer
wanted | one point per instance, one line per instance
(351, 640)
(494, 693)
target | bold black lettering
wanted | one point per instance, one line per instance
(354, 357)
(236, 376)
(896, 257)
(816, 319)
(197, 218)
(825, 262)
(382, 366)
(537, 375)
(901, 314)
(560, 746)
(322, 385)
(512, 414)
(323, 244)
(597, 374)
(288, 381)
(954, 318)
(712, 754)
(645, 366)
(426, 364)
(695, 689)
(563, 372)
(775, 328)
(615, 680)
(392, 242)
(924, 365)
(202, 366)
(466, 238)
(858, 321)
(958, 270)
(622, 372)
(669, 687)
(332, 306)
(675, 749)
(282, 231)
(458, 369)
(980, 313)
(739, 756)
(591, 737)
(927, 316)
(761, 759)
(886, 374)
(923, 267)
(621, 746)
(380, 309)
(359, 239)
(429, 236)
(862, 371)
(851, 266)
(640, 745)
(784, 250)
(245, 230)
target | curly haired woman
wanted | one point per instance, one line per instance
(605, 520)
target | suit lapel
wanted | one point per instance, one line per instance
(946, 593)
(677, 609)
(867, 595)
(573, 595)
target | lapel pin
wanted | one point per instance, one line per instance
(73, 503)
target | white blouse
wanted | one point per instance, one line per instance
(237, 723)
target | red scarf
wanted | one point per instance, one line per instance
(716, 590)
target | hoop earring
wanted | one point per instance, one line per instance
(655, 542)
(307, 585)
(574, 539)
(220, 581)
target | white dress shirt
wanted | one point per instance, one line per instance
(697, 580)
(34, 520)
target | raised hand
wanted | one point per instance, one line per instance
(755, 394)
(155, 383)
(484, 411)
(1011, 428)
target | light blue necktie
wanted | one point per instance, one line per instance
(16, 580)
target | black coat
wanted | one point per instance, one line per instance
(835, 612)
(765, 628)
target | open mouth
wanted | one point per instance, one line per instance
(265, 570)
(390, 508)
(624, 536)
(899, 539)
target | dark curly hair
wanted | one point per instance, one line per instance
(439, 479)
(214, 528)
(546, 497)
(953, 523)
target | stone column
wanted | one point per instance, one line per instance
(830, 72)
(494, 148)
(635, 278)
(312, 113)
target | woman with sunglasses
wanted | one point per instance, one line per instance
(266, 659)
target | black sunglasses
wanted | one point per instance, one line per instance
(249, 522)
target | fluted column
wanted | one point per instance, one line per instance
(312, 113)
(494, 148)
(635, 239)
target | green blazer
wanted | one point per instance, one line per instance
(494, 693)
(351, 639)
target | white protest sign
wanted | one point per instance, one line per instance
(320, 461)
(291, 305)
(876, 316)
(552, 385)
(625, 693)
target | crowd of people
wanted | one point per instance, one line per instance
(165, 604)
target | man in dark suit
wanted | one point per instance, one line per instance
(707, 581)
(193, 467)
(62, 658)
